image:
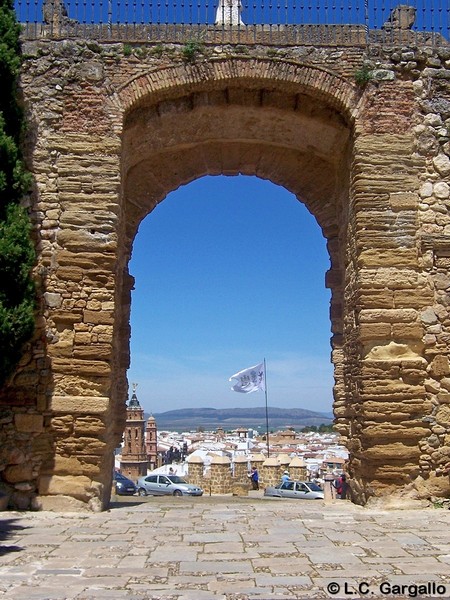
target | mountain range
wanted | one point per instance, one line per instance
(188, 419)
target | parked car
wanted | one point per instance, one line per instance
(166, 485)
(124, 486)
(305, 490)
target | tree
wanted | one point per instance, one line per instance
(17, 293)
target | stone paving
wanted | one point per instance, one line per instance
(226, 548)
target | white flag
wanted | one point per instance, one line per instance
(250, 380)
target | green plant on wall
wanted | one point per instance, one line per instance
(363, 76)
(17, 295)
(157, 51)
(191, 50)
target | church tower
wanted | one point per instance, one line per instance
(134, 457)
(151, 443)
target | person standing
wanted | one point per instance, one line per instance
(254, 478)
(341, 486)
(285, 477)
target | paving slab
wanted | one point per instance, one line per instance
(225, 548)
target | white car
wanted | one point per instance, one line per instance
(304, 490)
(166, 485)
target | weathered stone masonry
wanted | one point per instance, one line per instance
(113, 131)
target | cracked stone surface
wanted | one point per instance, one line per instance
(224, 548)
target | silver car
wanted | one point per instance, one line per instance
(166, 485)
(304, 490)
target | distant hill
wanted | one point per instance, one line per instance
(187, 419)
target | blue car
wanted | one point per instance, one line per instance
(124, 486)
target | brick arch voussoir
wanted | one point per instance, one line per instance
(176, 81)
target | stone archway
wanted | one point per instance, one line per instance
(141, 133)
(280, 132)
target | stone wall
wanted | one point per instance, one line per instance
(232, 477)
(369, 160)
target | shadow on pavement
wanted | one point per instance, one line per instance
(8, 529)
(125, 502)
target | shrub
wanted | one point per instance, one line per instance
(363, 76)
(17, 297)
(191, 49)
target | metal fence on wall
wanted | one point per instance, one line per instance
(421, 22)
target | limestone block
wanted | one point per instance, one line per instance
(439, 366)
(393, 315)
(89, 262)
(386, 431)
(89, 425)
(404, 201)
(392, 278)
(69, 273)
(402, 453)
(63, 345)
(394, 352)
(438, 429)
(395, 257)
(79, 404)
(381, 471)
(426, 189)
(81, 446)
(94, 305)
(77, 486)
(441, 163)
(66, 318)
(393, 388)
(413, 298)
(18, 473)
(378, 299)
(443, 416)
(29, 423)
(432, 486)
(11, 455)
(84, 368)
(443, 398)
(70, 385)
(42, 445)
(432, 386)
(60, 504)
(378, 409)
(407, 331)
(108, 305)
(374, 331)
(441, 190)
(82, 337)
(428, 316)
(98, 317)
(62, 425)
(52, 300)
(94, 351)
(83, 240)
(64, 465)
(441, 281)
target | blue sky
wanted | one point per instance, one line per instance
(430, 14)
(229, 271)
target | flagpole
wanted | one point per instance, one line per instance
(267, 412)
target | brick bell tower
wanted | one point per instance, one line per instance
(151, 443)
(134, 456)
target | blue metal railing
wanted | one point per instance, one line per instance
(292, 21)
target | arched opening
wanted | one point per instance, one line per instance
(226, 269)
(288, 134)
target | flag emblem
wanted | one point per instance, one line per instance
(250, 380)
